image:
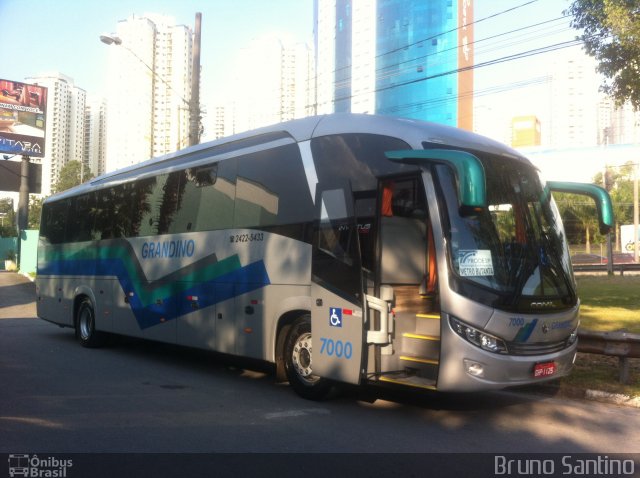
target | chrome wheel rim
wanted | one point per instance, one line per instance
(301, 358)
(85, 321)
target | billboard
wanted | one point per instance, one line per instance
(22, 118)
(10, 177)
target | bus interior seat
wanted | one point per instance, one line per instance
(404, 247)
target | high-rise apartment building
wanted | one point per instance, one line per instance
(581, 115)
(149, 89)
(218, 121)
(617, 124)
(272, 81)
(95, 125)
(406, 58)
(574, 99)
(65, 125)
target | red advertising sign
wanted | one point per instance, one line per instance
(22, 118)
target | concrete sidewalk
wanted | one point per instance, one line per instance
(17, 296)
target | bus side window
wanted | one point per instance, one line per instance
(81, 218)
(267, 197)
(54, 222)
(205, 198)
(104, 218)
(217, 199)
(140, 204)
(149, 198)
(105, 224)
(187, 203)
(114, 212)
(172, 189)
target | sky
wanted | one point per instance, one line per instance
(63, 35)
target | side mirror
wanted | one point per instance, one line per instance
(598, 194)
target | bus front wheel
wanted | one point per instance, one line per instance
(86, 332)
(298, 362)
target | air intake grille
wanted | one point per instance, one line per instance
(540, 348)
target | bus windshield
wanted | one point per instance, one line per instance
(516, 247)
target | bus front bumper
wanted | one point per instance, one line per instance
(465, 367)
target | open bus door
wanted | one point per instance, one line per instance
(338, 314)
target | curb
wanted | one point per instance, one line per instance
(615, 398)
(554, 390)
(23, 274)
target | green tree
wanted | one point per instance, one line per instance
(611, 34)
(7, 218)
(580, 219)
(35, 209)
(579, 213)
(71, 175)
(620, 187)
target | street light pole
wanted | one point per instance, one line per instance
(194, 107)
(115, 40)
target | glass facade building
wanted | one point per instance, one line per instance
(409, 58)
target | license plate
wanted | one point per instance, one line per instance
(544, 369)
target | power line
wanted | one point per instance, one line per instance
(390, 74)
(346, 82)
(417, 106)
(404, 47)
(432, 37)
(475, 42)
(383, 73)
(517, 56)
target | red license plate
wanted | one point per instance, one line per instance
(544, 369)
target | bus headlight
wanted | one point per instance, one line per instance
(478, 338)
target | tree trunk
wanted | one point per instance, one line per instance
(587, 242)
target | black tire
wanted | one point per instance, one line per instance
(298, 362)
(85, 321)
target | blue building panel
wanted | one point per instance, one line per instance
(422, 60)
(416, 60)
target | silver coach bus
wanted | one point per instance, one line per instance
(341, 248)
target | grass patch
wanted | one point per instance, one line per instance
(600, 372)
(609, 302)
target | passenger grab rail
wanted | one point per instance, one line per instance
(381, 336)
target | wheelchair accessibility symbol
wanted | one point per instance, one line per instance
(335, 317)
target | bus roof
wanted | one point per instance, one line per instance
(414, 132)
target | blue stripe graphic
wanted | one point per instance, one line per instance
(224, 287)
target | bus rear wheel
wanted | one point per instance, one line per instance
(299, 360)
(86, 332)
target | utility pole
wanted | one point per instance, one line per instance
(607, 187)
(194, 104)
(636, 213)
(23, 203)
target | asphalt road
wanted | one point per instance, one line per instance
(135, 396)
